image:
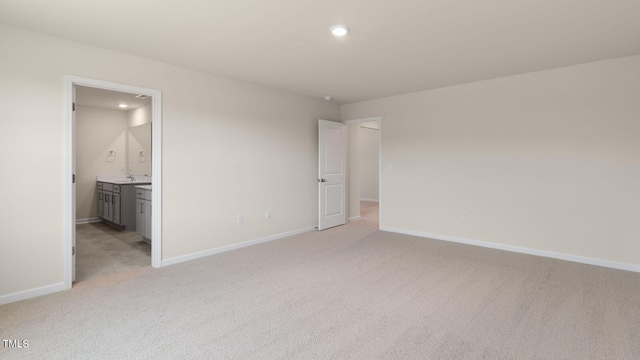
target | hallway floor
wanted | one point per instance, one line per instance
(369, 210)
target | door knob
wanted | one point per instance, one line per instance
(322, 180)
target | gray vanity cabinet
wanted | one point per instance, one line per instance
(140, 205)
(116, 209)
(100, 200)
(107, 198)
(117, 204)
(106, 206)
(143, 214)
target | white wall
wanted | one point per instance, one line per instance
(228, 147)
(546, 160)
(369, 154)
(98, 131)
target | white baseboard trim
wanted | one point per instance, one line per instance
(370, 200)
(31, 293)
(88, 220)
(355, 218)
(518, 249)
(197, 255)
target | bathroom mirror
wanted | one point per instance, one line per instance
(139, 149)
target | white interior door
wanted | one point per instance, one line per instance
(73, 186)
(332, 174)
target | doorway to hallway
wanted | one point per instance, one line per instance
(365, 163)
(369, 211)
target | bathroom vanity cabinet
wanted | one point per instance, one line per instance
(117, 204)
(143, 212)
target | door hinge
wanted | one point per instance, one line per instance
(73, 178)
(73, 106)
(73, 250)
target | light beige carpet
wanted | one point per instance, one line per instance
(350, 292)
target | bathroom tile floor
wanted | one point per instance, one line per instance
(103, 250)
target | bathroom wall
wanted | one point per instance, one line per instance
(98, 131)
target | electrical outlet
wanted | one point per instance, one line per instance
(465, 216)
(267, 215)
(122, 167)
(240, 218)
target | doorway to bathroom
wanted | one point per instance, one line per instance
(113, 152)
(113, 143)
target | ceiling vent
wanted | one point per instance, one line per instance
(142, 97)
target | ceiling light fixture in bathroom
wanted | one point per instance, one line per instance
(123, 106)
(339, 30)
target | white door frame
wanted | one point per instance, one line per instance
(364, 120)
(69, 226)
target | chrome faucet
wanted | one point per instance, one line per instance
(133, 178)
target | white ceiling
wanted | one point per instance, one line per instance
(108, 99)
(394, 47)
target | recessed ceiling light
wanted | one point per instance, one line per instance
(123, 106)
(339, 30)
(328, 97)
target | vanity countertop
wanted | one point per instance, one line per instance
(140, 180)
(145, 187)
(126, 182)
